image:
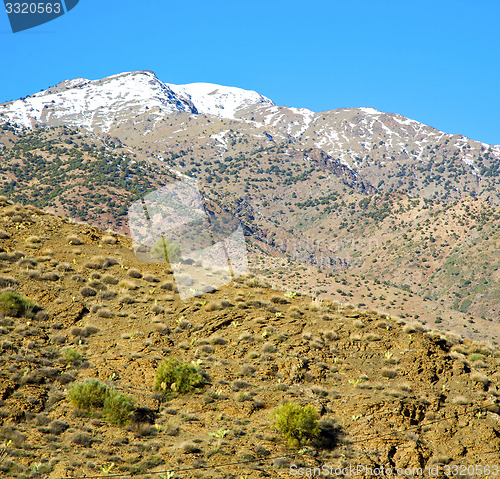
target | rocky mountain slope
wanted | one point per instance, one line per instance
(438, 260)
(387, 393)
(382, 197)
(386, 150)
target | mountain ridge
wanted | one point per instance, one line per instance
(387, 150)
(400, 184)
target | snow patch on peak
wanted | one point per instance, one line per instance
(370, 111)
(223, 101)
(101, 103)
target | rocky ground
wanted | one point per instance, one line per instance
(389, 393)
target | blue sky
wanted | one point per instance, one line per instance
(437, 61)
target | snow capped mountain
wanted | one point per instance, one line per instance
(138, 107)
(97, 103)
(101, 104)
(211, 99)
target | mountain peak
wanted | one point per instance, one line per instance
(224, 101)
(111, 100)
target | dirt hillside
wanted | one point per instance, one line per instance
(388, 393)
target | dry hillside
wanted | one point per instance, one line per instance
(387, 393)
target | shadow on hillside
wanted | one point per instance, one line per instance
(330, 434)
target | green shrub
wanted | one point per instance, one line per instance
(72, 356)
(13, 304)
(173, 375)
(166, 250)
(88, 395)
(118, 408)
(92, 395)
(298, 424)
(475, 357)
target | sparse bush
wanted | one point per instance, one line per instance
(134, 273)
(331, 335)
(171, 429)
(81, 438)
(27, 263)
(413, 328)
(64, 267)
(101, 262)
(50, 276)
(245, 336)
(129, 285)
(126, 300)
(248, 370)
(98, 285)
(168, 285)
(211, 306)
(207, 349)
(42, 316)
(298, 424)
(88, 330)
(388, 373)
(173, 375)
(34, 274)
(104, 313)
(151, 278)
(74, 240)
(238, 384)
(109, 279)
(158, 309)
(161, 328)
(75, 330)
(13, 304)
(57, 427)
(269, 348)
(320, 391)
(108, 239)
(88, 395)
(189, 448)
(106, 295)
(118, 407)
(72, 356)
(279, 300)
(87, 292)
(58, 339)
(185, 324)
(33, 239)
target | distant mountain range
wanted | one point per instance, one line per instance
(387, 151)
(301, 182)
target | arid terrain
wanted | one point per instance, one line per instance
(433, 260)
(389, 391)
